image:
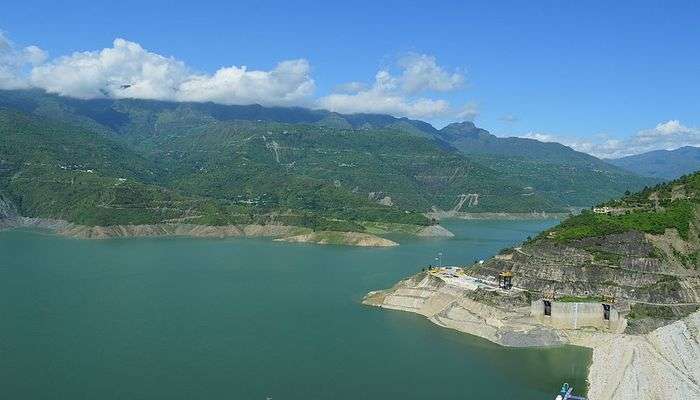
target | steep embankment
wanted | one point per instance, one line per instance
(503, 321)
(663, 364)
(627, 266)
(641, 252)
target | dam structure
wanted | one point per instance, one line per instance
(565, 313)
(577, 315)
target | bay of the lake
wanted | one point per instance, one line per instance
(184, 318)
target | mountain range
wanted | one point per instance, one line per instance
(127, 161)
(662, 164)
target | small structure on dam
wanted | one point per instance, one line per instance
(505, 280)
(577, 315)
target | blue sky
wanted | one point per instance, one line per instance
(604, 77)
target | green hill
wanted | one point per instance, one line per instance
(103, 162)
(232, 172)
(671, 205)
(558, 172)
(642, 250)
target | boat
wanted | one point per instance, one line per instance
(567, 393)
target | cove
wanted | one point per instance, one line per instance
(182, 318)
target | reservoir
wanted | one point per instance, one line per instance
(184, 318)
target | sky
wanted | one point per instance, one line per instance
(608, 78)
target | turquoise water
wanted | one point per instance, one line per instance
(179, 318)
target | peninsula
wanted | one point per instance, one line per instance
(622, 279)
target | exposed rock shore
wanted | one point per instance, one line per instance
(38, 223)
(286, 233)
(495, 215)
(450, 307)
(101, 232)
(348, 238)
(435, 231)
(663, 364)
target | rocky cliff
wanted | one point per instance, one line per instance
(662, 364)
(641, 252)
(628, 266)
(7, 208)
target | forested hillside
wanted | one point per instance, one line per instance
(104, 162)
(557, 171)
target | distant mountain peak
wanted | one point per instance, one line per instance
(665, 164)
(469, 124)
(465, 129)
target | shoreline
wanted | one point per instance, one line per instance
(506, 216)
(669, 356)
(283, 233)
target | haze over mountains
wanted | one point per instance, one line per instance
(102, 162)
(663, 164)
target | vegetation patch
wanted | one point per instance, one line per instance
(667, 287)
(605, 256)
(640, 311)
(588, 224)
(383, 228)
(671, 205)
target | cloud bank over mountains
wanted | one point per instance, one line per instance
(410, 87)
(667, 135)
(127, 70)
(402, 94)
(14, 61)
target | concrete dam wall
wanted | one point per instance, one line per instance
(565, 315)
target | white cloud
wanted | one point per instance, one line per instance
(382, 98)
(125, 70)
(667, 135)
(400, 94)
(289, 83)
(13, 61)
(128, 70)
(469, 112)
(421, 72)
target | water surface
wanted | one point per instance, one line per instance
(179, 318)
